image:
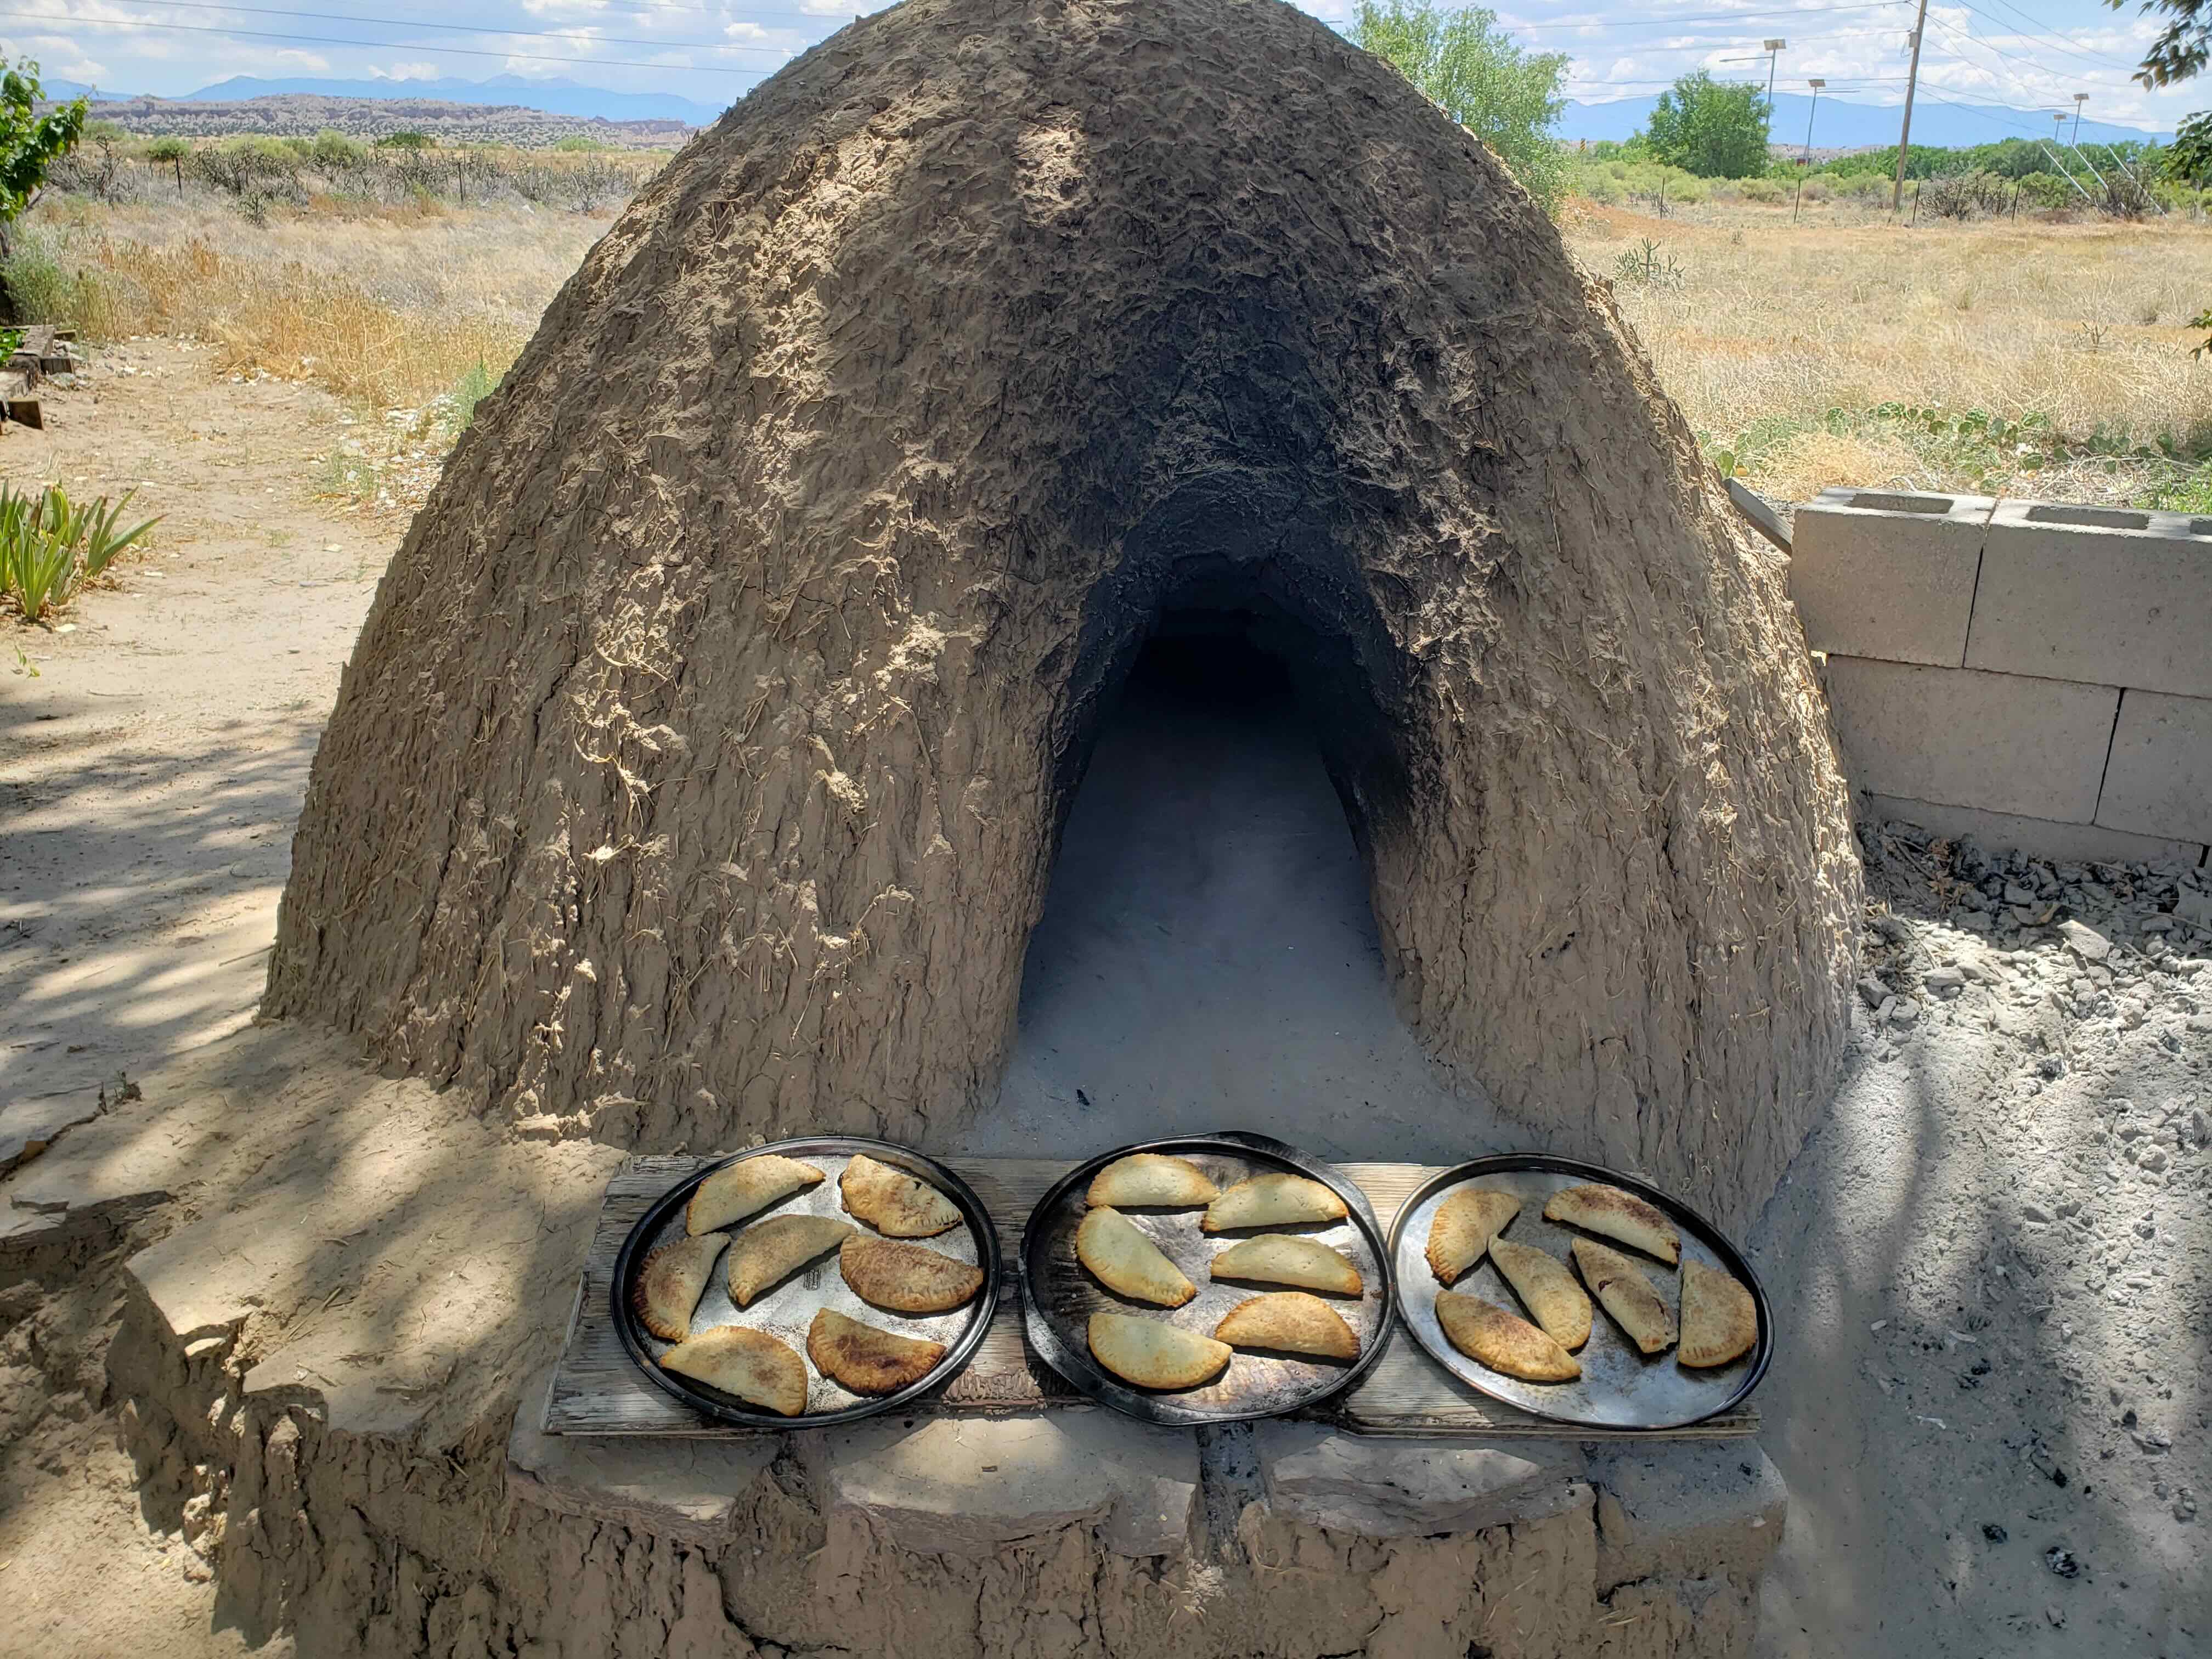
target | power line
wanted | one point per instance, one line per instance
(2054, 36)
(380, 45)
(570, 35)
(1675, 22)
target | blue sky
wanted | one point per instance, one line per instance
(2025, 53)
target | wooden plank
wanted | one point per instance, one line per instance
(15, 398)
(597, 1389)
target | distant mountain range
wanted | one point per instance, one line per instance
(556, 97)
(1839, 124)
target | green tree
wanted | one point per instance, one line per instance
(29, 144)
(1461, 62)
(174, 151)
(2183, 50)
(1715, 128)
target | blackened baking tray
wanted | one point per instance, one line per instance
(1059, 1296)
(1619, 1387)
(786, 1310)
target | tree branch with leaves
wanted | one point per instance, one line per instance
(30, 144)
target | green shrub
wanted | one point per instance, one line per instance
(1761, 190)
(49, 547)
(333, 152)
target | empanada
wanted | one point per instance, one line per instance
(866, 1360)
(670, 1283)
(1462, 1227)
(1720, 1320)
(1152, 1353)
(1279, 1259)
(770, 1251)
(1624, 1291)
(1118, 1254)
(1501, 1341)
(1273, 1200)
(1152, 1178)
(1545, 1286)
(1289, 1320)
(894, 1202)
(737, 1190)
(1616, 1214)
(908, 1278)
(749, 1363)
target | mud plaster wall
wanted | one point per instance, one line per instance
(699, 770)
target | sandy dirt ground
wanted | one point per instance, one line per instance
(1989, 1264)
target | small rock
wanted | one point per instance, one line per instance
(1905, 1012)
(2194, 907)
(1890, 928)
(1993, 1532)
(2055, 1619)
(2036, 1213)
(1872, 990)
(2061, 1562)
(2152, 1159)
(1945, 982)
(2161, 923)
(2016, 894)
(2184, 1504)
(2085, 942)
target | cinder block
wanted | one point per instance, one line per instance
(2108, 595)
(2001, 742)
(2064, 843)
(1878, 574)
(2159, 779)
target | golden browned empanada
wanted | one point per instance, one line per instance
(1279, 1259)
(1623, 1290)
(1616, 1214)
(1462, 1227)
(1116, 1249)
(1278, 1200)
(1151, 1179)
(894, 1202)
(1152, 1353)
(1289, 1320)
(865, 1359)
(670, 1283)
(1720, 1320)
(1542, 1282)
(769, 1252)
(908, 1278)
(737, 1190)
(749, 1363)
(1501, 1341)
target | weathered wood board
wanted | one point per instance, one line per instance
(597, 1389)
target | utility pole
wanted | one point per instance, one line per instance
(1773, 55)
(1904, 133)
(2080, 99)
(1816, 84)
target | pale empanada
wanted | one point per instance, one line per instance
(1289, 1320)
(1279, 1259)
(1273, 1200)
(1462, 1227)
(1542, 1282)
(865, 1359)
(894, 1202)
(1152, 1353)
(908, 1278)
(770, 1251)
(749, 1363)
(1116, 1252)
(1720, 1321)
(1624, 1291)
(670, 1282)
(1153, 1179)
(1501, 1341)
(737, 1190)
(1616, 1214)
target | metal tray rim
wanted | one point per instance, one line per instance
(1554, 1163)
(1077, 1367)
(957, 1355)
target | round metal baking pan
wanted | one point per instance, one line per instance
(1059, 1297)
(1619, 1387)
(786, 1310)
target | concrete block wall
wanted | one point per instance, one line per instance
(2033, 674)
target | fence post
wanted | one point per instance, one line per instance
(1915, 201)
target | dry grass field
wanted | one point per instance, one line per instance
(2035, 358)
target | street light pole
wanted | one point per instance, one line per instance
(1773, 56)
(1816, 84)
(2080, 99)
